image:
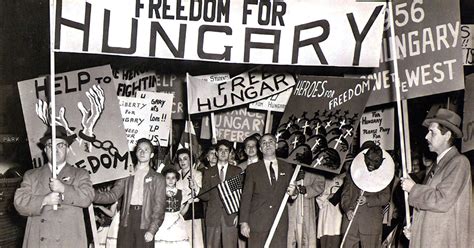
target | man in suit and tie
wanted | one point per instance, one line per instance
(221, 228)
(266, 183)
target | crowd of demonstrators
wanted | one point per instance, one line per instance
(183, 207)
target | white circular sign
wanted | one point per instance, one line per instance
(376, 180)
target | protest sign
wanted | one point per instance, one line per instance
(467, 41)
(214, 78)
(135, 115)
(320, 120)
(378, 126)
(305, 32)
(245, 88)
(86, 103)
(428, 45)
(234, 125)
(131, 80)
(159, 115)
(467, 143)
(276, 103)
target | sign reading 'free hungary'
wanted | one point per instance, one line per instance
(304, 32)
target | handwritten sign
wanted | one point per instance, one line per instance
(159, 115)
(245, 88)
(320, 120)
(467, 41)
(135, 115)
(378, 126)
(235, 125)
(467, 143)
(131, 80)
(107, 158)
(275, 103)
(429, 54)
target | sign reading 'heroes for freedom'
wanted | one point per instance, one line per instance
(304, 32)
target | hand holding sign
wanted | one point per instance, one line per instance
(89, 117)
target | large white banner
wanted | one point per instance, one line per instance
(302, 32)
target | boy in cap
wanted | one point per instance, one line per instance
(71, 191)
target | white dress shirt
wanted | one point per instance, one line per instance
(442, 154)
(59, 167)
(274, 166)
(219, 167)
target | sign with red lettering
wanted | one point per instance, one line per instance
(284, 32)
(86, 105)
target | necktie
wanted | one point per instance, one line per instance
(272, 174)
(431, 173)
(221, 174)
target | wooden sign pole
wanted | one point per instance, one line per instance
(394, 53)
(280, 210)
(213, 129)
(268, 124)
(350, 222)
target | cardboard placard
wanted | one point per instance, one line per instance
(378, 126)
(107, 158)
(159, 116)
(234, 125)
(428, 44)
(320, 120)
(242, 89)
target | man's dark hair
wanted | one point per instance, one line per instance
(250, 138)
(443, 129)
(266, 134)
(224, 142)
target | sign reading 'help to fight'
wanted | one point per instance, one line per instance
(304, 32)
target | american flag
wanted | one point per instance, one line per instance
(230, 192)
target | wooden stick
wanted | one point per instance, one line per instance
(95, 237)
(350, 222)
(191, 167)
(280, 210)
(52, 77)
(393, 50)
(213, 129)
(268, 121)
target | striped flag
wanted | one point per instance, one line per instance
(230, 192)
(184, 142)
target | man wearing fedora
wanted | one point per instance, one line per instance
(443, 202)
(71, 191)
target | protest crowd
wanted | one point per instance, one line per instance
(237, 124)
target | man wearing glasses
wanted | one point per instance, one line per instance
(266, 183)
(70, 191)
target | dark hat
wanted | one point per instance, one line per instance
(447, 118)
(61, 133)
